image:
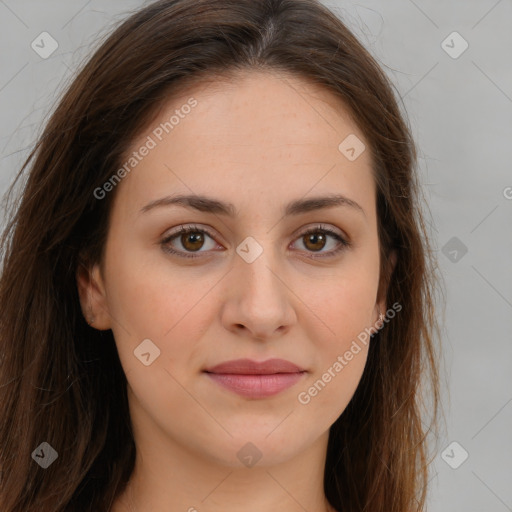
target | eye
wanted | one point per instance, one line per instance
(316, 239)
(192, 239)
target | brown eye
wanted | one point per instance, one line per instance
(314, 241)
(192, 241)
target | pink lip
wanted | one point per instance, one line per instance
(256, 380)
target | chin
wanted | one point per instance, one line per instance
(255, 447)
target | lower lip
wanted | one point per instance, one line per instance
(257, 386)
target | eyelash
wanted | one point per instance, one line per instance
(344, 244)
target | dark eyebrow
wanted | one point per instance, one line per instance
(210, 205)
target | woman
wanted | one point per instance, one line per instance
(217, 290)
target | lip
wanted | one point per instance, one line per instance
(255, 379)
(250, 367)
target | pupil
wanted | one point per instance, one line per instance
(315, 238)
(192, 238)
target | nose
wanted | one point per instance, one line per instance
(259, 300)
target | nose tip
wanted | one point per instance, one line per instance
(259, 306)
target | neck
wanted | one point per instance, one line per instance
(163, 482)
(231, 492)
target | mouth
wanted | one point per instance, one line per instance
(253, 379)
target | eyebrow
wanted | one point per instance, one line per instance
(211, 205)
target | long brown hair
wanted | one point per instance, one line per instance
(62, 382)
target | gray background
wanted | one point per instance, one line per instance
(460, 110)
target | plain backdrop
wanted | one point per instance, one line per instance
(451, 64)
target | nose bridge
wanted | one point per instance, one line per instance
(256, 269)
(259, 298)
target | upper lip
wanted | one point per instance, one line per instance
(250, 367)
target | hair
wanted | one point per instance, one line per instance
(62, 381)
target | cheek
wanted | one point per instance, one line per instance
(331, 390)
(150, 299)
(148, 294)
(343, 305)
(340, 358)
(337, 370)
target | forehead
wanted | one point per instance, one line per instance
(267, 133)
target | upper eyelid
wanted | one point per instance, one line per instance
(299, 232)
(211, 232)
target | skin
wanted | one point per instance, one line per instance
(259, 142)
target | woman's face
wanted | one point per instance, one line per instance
(257, 159)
